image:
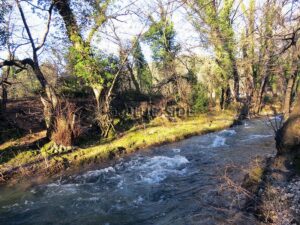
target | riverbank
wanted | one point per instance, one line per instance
(176, 183)
(275, 191)
(19, 161)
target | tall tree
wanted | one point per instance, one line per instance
(161, 38)
(82, 57)
(292, 75)
(214, 19)
(49, 97)
(5, 8)
(142, 68)
(266, 55)
(247, 41)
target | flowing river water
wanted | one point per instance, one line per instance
(174, 184)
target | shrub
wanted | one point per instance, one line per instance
(199, 98)
(66, 128)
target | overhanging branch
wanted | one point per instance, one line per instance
(18, 63)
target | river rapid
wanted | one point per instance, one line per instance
(179, 184)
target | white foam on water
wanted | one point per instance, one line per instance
(10, 206)
(229, 132)
(139, 200)
(276, 117)
(96, 173)
(52, 185)
(218, 142)
(246, 125)
(158, 168)
(26, 202)
(257, 136)
(91, 199)
(120, 184)
(260, 135)
(176, 150)
(62, 189)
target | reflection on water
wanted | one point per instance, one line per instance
(173, 184)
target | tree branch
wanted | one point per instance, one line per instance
(18, 63)
(47, 28)
(100, 18)
(26, 25)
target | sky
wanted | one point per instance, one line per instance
(127, 27)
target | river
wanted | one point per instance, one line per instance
(174, 184)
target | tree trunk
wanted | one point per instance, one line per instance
(97, 90)
(259, 96)
(4, 98)
(4, 85)
(104, 118)
(235, 74)
(249, 90)
(262, 89)
(4, 91)
(227, 96)
(236, 80)
(288, 95)
(83, 47)
(136, 84)
(222, 99)
(49, 100)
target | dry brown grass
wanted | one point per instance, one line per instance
(66, 127)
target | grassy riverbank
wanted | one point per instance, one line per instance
(19, 160)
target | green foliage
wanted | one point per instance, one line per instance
(192, 71)
(220, 33)
(199, 98)
(93, 69)
(73, 87)
(25, 84)
(5, 8)
(161, 37)
(85, 66)
(143, 72)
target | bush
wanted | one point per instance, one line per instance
(73, 87)
(199, 98)
(267, 99)
(66, 129)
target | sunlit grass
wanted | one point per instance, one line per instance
(155, 135)
(157, 132)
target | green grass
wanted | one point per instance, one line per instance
(154, 135)
(159, 131)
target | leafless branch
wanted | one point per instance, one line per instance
(47, 28)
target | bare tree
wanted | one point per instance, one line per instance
(49, 97)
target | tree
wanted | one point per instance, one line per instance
(126, 67)
(292, 72)
(142, 68)
(161, 38)
(49, 97)
(290, 52)
(266, 56)
(82, 57)
(247, 42)
(5, 8)
(215, 20)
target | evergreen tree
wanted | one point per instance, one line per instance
(161, 38)
(141, 66)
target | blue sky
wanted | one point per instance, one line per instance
(127, 27)
(127, 30)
